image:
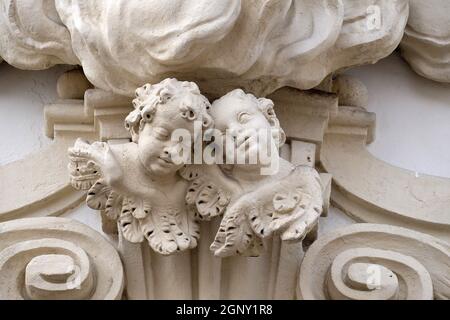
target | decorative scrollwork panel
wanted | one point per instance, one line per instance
(57, 258)
(376, 262)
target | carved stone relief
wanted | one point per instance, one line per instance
(388, 194)
(404, 264)
(426, 43)
(299, 44)
(155, 162)
(271, 275)
(57, 258)
(39, 34)
(152, 196)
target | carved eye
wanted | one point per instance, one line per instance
(161, 133)
(189, 114)
(270, 112)
(243, 117)
(147, 116)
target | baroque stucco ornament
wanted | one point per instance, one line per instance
(152, 197)
(57, 259)
(154, 209)
(122, 44)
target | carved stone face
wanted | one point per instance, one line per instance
(241, 117)
(155, 145)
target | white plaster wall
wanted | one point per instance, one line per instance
(413, 116)
(413, 121)
(23, 95)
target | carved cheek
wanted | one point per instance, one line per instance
(260, 123)
(149, 148)
(176, 151)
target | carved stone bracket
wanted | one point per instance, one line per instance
(39, 185)
(121, 178)
(375, 262)
(272, 275)
(57, 258)
(364, 187)
(218, 230)
(371, 190)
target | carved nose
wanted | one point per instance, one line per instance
(166, 153)
(235, 130)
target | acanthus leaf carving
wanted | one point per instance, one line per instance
(98, 195)
(206, 199)
(130, 226)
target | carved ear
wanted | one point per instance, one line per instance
(267, 108)
(281, 137)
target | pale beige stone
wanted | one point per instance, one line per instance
(296, 43)
(305, 116)
(57, 258)
(371, 190)
(32, 35)
(138, 183)
(72, 85)
(351, 91)
(375, 262)
(426, 44)
(38, 184)
(219, 46)
(271, 275)
(387, 194)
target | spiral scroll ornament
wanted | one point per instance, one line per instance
(375, 262)
(57, 258)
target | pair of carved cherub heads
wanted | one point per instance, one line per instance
(156, 198)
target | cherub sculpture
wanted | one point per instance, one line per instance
(155, 196)
(137, 183)
(286, 201)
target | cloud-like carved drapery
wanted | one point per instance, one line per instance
(257, 45)
(32, 35)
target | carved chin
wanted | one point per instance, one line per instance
(160, 167)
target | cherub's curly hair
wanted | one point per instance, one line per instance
(265, 106)
(191, 103)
